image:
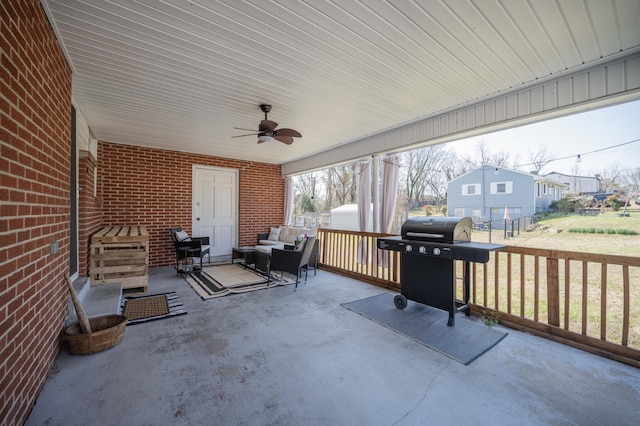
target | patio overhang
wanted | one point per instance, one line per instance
(356, 79)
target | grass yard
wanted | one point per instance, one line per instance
(553, 233)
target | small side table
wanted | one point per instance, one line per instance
(186, 257)
(246, 253)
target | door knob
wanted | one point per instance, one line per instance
(197, 218)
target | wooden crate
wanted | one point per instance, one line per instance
(120, 254)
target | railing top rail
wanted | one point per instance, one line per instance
(612, 259)
(363, 234)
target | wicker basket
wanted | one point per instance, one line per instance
(107, 331)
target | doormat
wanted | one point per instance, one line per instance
(222, 280)
(464, 342)
(151, 307)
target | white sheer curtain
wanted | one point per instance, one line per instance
(389, 195)
(288, 200)
(388, 198)
(363, 190)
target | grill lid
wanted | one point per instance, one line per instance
(437, 229)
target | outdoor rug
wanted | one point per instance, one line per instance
(151, 307)
(464, 342)
(231, 278)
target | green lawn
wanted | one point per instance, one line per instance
(553, 233)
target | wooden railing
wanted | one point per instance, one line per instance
(590, 301)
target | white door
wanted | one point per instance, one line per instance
(215, 207)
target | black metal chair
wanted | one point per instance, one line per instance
(189, 247)
(292, 261)
(313, 258)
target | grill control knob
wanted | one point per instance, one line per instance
(408, 248)
(422, 250)
(436, 251)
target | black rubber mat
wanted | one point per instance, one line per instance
(464, 342)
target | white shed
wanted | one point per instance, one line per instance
(345, 217)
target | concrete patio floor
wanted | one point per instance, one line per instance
(285, 357)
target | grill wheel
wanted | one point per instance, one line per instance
(400, 301)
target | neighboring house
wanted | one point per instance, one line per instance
(577, 184)
(484, 193)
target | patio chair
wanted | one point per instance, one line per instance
(313, 258)
(189, 247)
(292, 261)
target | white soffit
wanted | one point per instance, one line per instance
(180, 74)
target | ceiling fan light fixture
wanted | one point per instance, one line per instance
(267, 130)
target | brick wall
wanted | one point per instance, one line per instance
(152, 187)
(35, 111)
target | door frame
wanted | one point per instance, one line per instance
(236, 172)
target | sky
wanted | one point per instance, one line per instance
(571, 136)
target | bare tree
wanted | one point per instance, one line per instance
(610, 177)
(483, 155)
(307, 187)
(424, 172)
(540, 158)
(633, 179)
(341, 187)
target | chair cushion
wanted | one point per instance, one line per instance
(266, 248)
(299, 241)
(274, 234)
(182, 236)
(270, 243)
(289, 234)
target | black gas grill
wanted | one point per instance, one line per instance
(429, 246)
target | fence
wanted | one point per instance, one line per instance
(506, 228)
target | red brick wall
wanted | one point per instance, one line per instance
(152, 187)
(35, 124)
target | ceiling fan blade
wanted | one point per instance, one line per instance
(242, 128)
(284, 139)
(268, 125)
(288, 132)
(248, 134)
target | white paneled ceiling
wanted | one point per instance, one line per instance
(180, 74)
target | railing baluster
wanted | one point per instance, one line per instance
(536, 287)
(474, 282)
(585, 300)
(603, 301)
(522, 285)
(509, 290)
(484, 280)
(567, 292)
(553, 292)
(496, 280)
(626, 309)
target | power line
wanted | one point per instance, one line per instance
(585, 153)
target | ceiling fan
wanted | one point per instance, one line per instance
(267, 130)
